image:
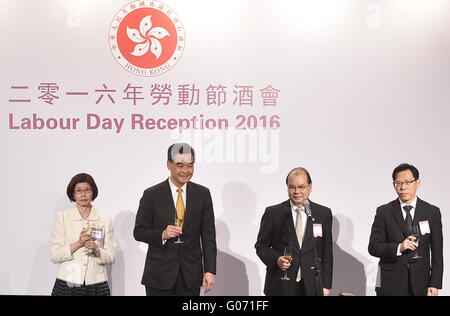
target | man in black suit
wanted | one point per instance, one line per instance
(287, 225)
(182, 259)
(391, 240)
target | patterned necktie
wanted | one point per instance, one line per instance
(180, 208)
(408, 219)
(299, 232)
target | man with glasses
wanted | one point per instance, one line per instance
(405, 255)
(286, 225)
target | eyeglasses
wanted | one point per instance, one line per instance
(407, 183)
(300, 187)
(85, 191)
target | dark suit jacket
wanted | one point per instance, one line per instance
(388, 231)
(277, 231)
(198, 252)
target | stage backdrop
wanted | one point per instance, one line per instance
(347, 89)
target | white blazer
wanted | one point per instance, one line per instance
(81, 267)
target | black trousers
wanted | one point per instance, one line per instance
(410, 289)
(300, 289)
(180, 289)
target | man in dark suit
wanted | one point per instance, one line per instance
(287, 225)
(182, 259)
(391, 240)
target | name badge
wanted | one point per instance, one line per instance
(424, 228)
(317, 230)
(97, 234)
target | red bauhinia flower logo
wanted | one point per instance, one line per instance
(146, 38)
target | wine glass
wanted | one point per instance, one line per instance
(87, 227)
(179, 223)
(287, 255)
(97, 234)
(415, 235)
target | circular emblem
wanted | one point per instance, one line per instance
(146, 38)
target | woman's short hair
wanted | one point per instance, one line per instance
(81, 178)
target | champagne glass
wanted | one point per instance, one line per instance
(88, 229)
(415, 236)
(179, 223)
(97, 234)
(288, 256)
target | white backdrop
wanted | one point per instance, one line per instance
(363, 86)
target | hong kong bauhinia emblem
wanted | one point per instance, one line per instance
(146, 38)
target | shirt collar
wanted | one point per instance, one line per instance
(413, 203)
(174, 188)
(294, 207)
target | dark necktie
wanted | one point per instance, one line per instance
(408, 219)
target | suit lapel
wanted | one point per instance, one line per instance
(307, 239)
(190, 199)
(289, 223)
(398, 215)
(420, 213)
(168, 200)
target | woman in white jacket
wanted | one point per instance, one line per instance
(82, 243)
